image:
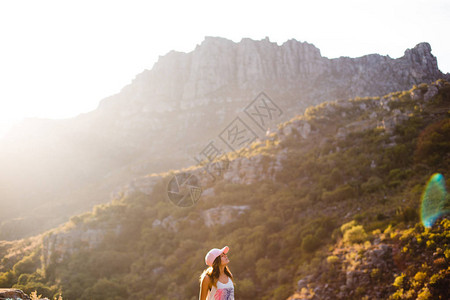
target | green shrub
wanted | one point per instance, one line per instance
(424, 294)
(310, 243)
(7, 279)
(420, 277)
(341, 193)
(106, 289)
(28, 265)
(356, 234)
(332, 259)
(348, 225)
(282, 292)
(433, 143)
(373, 184)
(23, 279)
(399, 281)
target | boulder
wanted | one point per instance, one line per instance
(13, 294)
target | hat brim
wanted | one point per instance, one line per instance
(214, 253)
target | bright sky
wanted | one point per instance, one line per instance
(60, 58)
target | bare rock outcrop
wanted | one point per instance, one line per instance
(223, 214)
(13, 294)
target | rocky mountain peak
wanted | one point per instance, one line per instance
(420, 50)
(423, 62)
(220, 70)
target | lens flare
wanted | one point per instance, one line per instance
(433, 200)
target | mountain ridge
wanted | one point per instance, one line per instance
(160, 120)
(298, 60)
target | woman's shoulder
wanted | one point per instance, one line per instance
(207, 280)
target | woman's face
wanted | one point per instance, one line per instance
(224, 259)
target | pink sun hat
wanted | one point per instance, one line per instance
(213, 253)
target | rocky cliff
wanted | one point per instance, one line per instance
(186, 98)
(219, 70)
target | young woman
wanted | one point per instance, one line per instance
(216, 282)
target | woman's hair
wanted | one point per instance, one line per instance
(214, 272)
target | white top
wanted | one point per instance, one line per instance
(222, 292)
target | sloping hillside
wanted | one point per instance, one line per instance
(280, 206)
(405, 263)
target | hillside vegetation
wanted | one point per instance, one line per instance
(334, 214)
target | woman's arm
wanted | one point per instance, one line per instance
(204, 287)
